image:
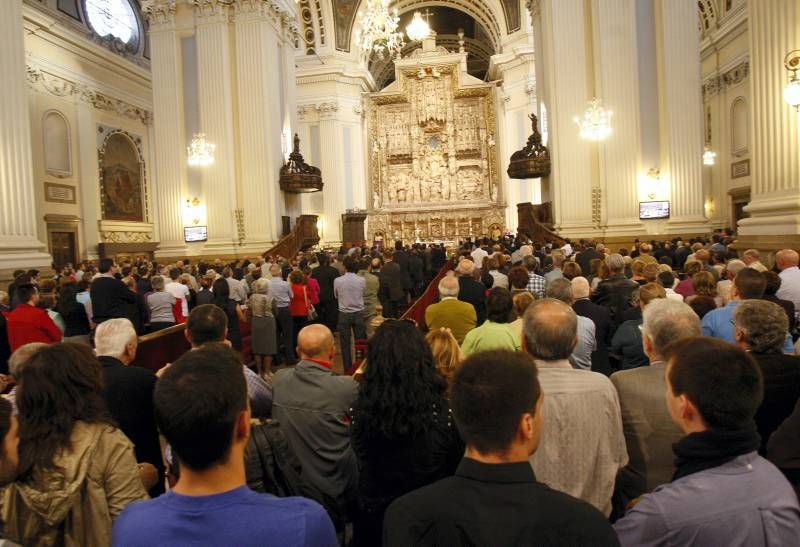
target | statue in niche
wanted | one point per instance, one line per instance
(376, 200)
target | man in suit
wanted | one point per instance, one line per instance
(469, 290)
(649, 430)
(403, 259)
(129, 392)
(325, 274)
(615, 292)
(110, 297)
(601, 318)
(450, 312)
(586, 256)
(391, 291)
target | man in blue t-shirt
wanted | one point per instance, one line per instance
(202, 409)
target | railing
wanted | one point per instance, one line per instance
(303, 236)
(417, 309)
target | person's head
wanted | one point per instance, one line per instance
(28, 293)
(296, 277)
(704, 284)
(351, 264)
(21, 356)
(637, 267)
(518, 277)
(275, 270)
(650, 272)
(521, 301)
(650, 292)
(773, 283)
(59, 385)
(666, 279)
(615, 263)
(448, 286)
(760, 326)
(558, 259)
(645, 248)
(702, 255)
(9, 443)
(665, 321)
(222, 292)
(733, 267)
(691, 268)
(560, 289)
(531, 263)
(499, 305)
(786, 258)
(206, 323)
(571, 270)
(549, 331)
(261, 286)
(106, 266)
(201, 408)
(711, 385)
(174, 273)
(496, 400)
(445, 350)
(465, 267)
(749, 283)
(580, 288)
(316, 342)
(116, 338)
(491, 263)
(751, 256)
(157, 283)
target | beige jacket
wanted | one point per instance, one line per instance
(76, 502)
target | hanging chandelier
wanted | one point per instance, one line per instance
(201, 153)
(709, 156)
(378, 30)
(418, 29)
(596, 122)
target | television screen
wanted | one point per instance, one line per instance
(195, 233)
(653, 209)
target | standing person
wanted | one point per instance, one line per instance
(138, 311)
(110, 297)
(73, 313)
(723, 492)
(787, 260)
(28, 322)
(77, 471)
(178, 290)
(403, 259)
(371, 287)
(349, 293)
(401, 426)
(328, 307)
(446, 352)
(205, 295)
(298, 306)
(282, 294)
(391, 291)
(600, 316)
(626, 343)
(615, 291)
(160, 304)
(263, 327)
(471, 291)
(233, 312)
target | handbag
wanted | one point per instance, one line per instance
(311, 313)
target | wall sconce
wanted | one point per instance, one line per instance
(709, 207)
(192, 211)
(654, 178)
(709, 156)
(791, 93)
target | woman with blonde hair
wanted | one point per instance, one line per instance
(446, 352)
(520, 303)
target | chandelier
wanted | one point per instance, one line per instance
(378, 30)
(596, 122)
(709, 156)
(418, 29)
(791, 93)
(201, 153)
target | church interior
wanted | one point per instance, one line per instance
(164, 128)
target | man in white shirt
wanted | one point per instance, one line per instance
(178, 290)
(478, 255)
(787, 260)
(667, 280)
(237, 291)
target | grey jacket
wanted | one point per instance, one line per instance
(746, 501)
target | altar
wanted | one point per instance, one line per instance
(433, 170)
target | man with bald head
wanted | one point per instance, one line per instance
(582, 447)
(311, 403)
(787, 261)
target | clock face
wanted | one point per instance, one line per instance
(113, 18)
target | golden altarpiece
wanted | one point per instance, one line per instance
(432, 165)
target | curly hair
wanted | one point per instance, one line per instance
(764, 325)
(399, 386)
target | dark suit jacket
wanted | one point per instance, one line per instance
(474, 293)
(325, 276)
(585, 257)
(781, 392)
(402, 259)
(129, 396)
(5, 349)
(601, 317)
(110, 299)
(391, 282)
(615, 294)
(788, 307)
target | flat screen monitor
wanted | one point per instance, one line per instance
(195, 233)
(653, 209)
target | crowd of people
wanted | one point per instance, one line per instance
(551, 395)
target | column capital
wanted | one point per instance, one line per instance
(283, 21)
(213, 11)
(159, 13)
(328, 110)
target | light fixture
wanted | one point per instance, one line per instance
(378, 30)
(201, 152)
(596, 122)
(709, 156)
(418, 29)
(791, 93)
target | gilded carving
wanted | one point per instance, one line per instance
(126, 237)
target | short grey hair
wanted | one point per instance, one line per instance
(157, 282)
(465, 267)
(764, 325)
(752, 253)
(665, 320)
(112, 336)
(550, 329)
(21, 356)
(448, 286)
(580, 287)
(735, 266)
(261, 286)
(615, 262)
(560, 289)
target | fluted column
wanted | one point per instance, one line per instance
(681, 112)
(617, 82)
(169, 139)
(19, 243)
(216, 102)
(333, 193)
(774, 30)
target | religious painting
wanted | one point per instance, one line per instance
(121, 185)
(344, 15)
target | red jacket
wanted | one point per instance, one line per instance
(28, 324)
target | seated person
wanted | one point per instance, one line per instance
(723, 492)
(494, 498)
(202, 410)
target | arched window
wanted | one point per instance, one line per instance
(57, 150)
(739, 127)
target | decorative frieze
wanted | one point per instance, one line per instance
(126, 237)
(159, 12)
(717, 83)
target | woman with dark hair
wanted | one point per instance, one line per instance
(402, 430)
(77, 471)
(495, 332)
(518, 280)
(233, 311)
(73, 313)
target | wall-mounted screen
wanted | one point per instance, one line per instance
(195, 233)
(653, 209)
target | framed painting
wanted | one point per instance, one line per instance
(121, 179)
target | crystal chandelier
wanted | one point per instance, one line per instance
(378, 30)
(418, 29)
(709, 156)
(596, 122)
(201, 153)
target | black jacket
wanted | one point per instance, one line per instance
(474, 293)
(403, 259)
(5, 348)
(585, 257)
(110, 299)
(781, 375)
(615, 294)
(325, 276)
(601, 317)
(391, 282)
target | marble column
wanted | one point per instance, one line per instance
(617, 83)
(333, 193)
(774, 30)
(681, 113)
(169, 141)
(20, 246)
(216, 101)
